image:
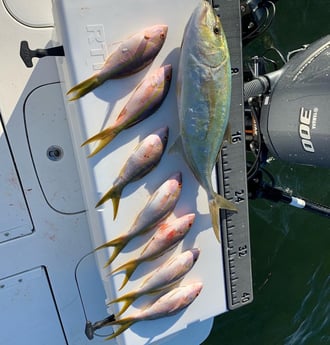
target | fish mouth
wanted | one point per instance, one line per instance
(162, 133)
(207, 16)
(160, 30)
(164, 30)
(208, 21)
(203, 13)
(168, 71)
(195, 252)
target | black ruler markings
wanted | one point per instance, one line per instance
(231, 170)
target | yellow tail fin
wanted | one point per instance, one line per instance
(128, 299)
(219, 202)
(118, 246)
(114, 194)
(129, 269)
(84, 87)
(104, 138)
(116, 251)
(120, 330)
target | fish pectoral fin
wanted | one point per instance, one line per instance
(227, 136)
(166, 288)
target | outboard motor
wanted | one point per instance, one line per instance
(289, 111)
(295, 111)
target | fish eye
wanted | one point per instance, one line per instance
(216, 30)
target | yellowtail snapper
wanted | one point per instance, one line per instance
(145, 100)
(164, 277)
(160, 204)
(165, 238)
(169, 304)
(131, 56)
(145, 157)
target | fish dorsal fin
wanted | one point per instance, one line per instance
(226, 137)
(177, 146)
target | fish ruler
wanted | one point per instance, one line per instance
(231, 171)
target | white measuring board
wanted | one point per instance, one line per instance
(89, 30)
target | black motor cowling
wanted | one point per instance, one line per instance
(295, 115)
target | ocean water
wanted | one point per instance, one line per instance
(290, 247)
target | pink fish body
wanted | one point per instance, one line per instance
(131, 56)
(165, 238)
(159, 206)
(145, 100)
(145, 157)
(167, 305)
(165, 276)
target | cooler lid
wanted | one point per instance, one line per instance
(89, 31)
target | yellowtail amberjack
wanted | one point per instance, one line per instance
(203, 97)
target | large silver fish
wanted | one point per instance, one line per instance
(131, 56)
(165, 238)
(144, 101)
(165, 276)
(159, 206)
(145, 157)
(203, 97)
(167, 305)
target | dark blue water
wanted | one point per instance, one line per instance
(290, 247)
